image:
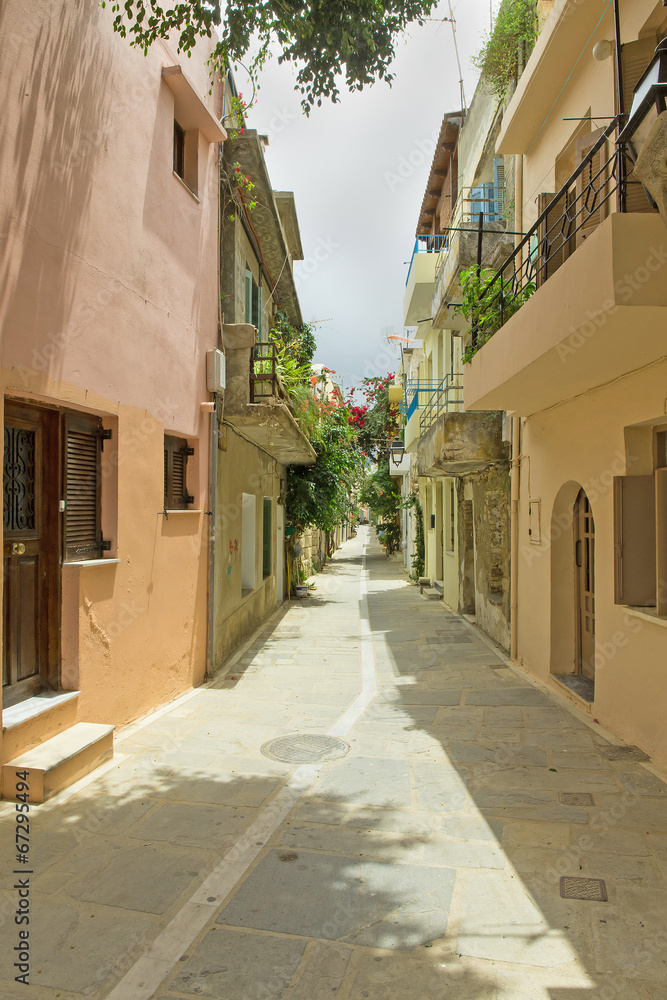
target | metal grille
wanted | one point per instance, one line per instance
(576, 799)
(305, 748)
(583, 888)
(623, 753)
(285, 631)
(18, 480)
(447, 639)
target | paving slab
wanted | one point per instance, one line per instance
(424, 864)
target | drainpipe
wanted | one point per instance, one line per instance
(515, 468)
(212, 484)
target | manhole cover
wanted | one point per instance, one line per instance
(305, 748)
(583, 888)
(623, 753)
(576, 799)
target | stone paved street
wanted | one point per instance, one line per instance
(425, 863)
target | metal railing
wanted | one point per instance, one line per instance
(571, 215)
(470, 202)
(425, 244)
(264, 379)
(417, 392)
(447, 398)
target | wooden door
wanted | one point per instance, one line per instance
(585, 571)
(30, 485)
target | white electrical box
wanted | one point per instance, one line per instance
(216, 371)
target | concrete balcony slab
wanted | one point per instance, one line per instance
(458, 443)
(601, 315)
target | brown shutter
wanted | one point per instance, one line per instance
(635, 540)
(554, 244)
(591, 186)
(176, 451)
(661, 539)
(83, 446)
(635, 57)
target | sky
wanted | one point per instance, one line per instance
(358, 170)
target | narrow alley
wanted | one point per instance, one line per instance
(407, 838)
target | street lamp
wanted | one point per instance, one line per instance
(397, 451)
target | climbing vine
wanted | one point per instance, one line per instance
(508, 46)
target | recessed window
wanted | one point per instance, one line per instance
(179, 150)
(185, 161)
(176, 454)
(267, 537)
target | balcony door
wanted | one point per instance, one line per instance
(30, 551)
(584, 549)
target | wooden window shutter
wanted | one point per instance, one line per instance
(260, 310)
(82, 487)
(591, 186)
(267, 532)
(635, 57)
(635, 540)
(553, 241)
(176, 453)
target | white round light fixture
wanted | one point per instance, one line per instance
(602, 50)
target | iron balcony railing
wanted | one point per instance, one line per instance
(425, 244)
(264, 379)
(568, 218)
(447, 398)
(487, 199)
(417, 393)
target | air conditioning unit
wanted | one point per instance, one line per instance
(216, 371)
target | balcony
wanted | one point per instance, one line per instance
(457, 443)
(419, 282)
(256, 402)
(461, 246)
(594, 280)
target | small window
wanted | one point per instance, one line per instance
(176, 453)
(267, 537)
(248, 508)
(452, 518)
(253, 303)
(179, 150)
(83, 487)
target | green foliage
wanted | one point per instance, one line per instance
(300, 341)
(319, 496)
(379, 425)
(514, 33)
(328, 39)
(484, 305)
(381, 493)
(419, 557)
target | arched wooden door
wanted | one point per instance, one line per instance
(584, 556)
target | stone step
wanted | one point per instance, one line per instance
(424, 581)
(59, 762)
(431, 594)
(439, 585)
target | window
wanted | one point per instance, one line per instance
(452, 518)
(253, 303)
(176, 452)
(640, 535)
(267, 537)
(248, 515)
(185, 160)
(179, 150)
(84, 436)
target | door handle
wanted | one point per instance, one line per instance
(18, 548)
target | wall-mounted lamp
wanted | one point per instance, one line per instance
(602, 50)
(397, 451)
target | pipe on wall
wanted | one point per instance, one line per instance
(212, 488)
(515, 468)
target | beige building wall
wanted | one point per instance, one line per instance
(108, 304)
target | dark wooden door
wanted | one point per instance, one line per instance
(585, 569)
(30, 486)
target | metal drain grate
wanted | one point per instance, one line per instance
(612, 752)
(583, 888)
(305, 748)
(576, 799)
(284, 631)
(497, 666)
